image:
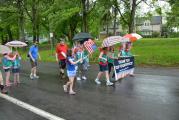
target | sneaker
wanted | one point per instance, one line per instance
(4, 91)
(72, 93)
(31, 77)
(78, 78)
(35, 76)
(84, 78)
(131, 75)
(8, 84)
(109, 83)
(97, 82)
(65, 88)
(1, 87)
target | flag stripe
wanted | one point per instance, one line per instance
(89, 46)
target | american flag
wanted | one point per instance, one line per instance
(90, 46)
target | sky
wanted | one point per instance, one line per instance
(146, 8)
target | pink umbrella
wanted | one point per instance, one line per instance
(132, 37)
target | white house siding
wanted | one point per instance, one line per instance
(156, 28)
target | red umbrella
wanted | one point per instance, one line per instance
(132, 37)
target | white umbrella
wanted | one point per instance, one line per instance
(4, 49)
(16, 43)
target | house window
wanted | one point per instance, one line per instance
(146, 23)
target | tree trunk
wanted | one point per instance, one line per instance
(84, 16)
(115, 19)
(132, 17)
(107, 28)
(2, 38)
(33, 20)
(21, 21)
(37, 22)
(38, 32)
(9, 32)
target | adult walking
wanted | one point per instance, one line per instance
(34, 55)
(61, 54)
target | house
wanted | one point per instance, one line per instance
(149, 26)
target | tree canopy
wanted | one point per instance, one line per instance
(65, 18)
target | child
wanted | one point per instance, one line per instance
(16, 69)
(79, 51)
(7, 64)
(110, 58)
(112, 54)
(128, 48)
(103, 67)
(86, 60)
(71, 72)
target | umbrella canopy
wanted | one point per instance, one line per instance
(82, 36)
(112, 40)
(133, 37)
(16, 43)
(4, 49)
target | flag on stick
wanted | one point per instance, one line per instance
(90, 46)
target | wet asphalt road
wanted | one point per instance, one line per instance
(153, 94)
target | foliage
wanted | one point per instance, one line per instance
(172, 18)
(155, 34)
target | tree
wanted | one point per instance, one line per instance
(8, 21)
(87, 7)
(129, 7)
(173, 15)
(21, 19)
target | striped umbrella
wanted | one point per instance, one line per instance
(112, 40)
(132, 37)
(16, 43)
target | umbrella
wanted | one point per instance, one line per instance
(82, 36)
(4, 49)
(112, 40)
(132, 37)
(16, 43)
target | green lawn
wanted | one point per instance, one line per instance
(150, 51)
(162, 52)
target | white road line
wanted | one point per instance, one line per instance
(31, 108)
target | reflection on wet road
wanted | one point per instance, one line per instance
(150, 95)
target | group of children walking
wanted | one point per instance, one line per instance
(10, 63)
(77, 63)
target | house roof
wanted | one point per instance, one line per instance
(155, 20)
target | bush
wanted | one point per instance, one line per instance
(174, 34)
(155, 34)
